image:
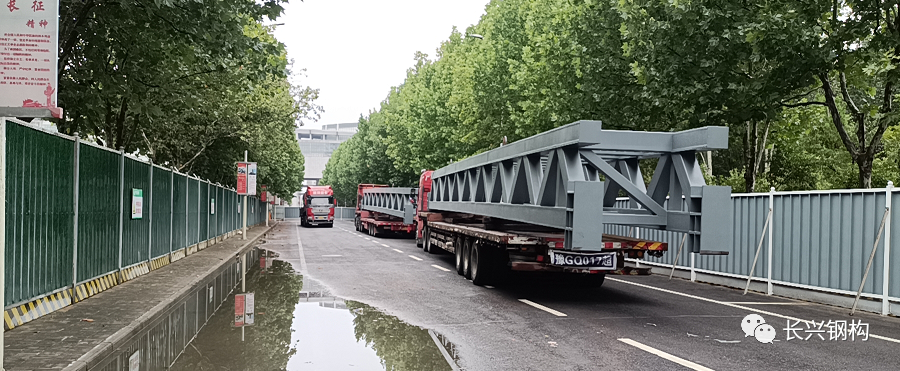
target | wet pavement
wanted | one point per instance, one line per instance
(300, 325)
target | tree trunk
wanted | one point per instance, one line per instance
(865, 172)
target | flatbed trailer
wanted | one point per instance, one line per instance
(380, 210)
(483, 254)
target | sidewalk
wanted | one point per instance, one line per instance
(79, 336)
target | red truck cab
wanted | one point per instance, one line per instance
(318, 206)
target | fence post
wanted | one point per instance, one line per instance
(2, 227)
(208, 210)
(693, 272)
(885, 285)
(187, 211)
(150, 216)
(171, 211)
(121, 203)
(75, 219)
(769, 288)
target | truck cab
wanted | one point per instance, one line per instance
(318, 206)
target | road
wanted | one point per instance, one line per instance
(535, 322)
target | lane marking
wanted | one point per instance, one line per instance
(762, 303)
(367, 238)
(661, 354)
(331, 256)
(543, 308)
(488, 286)
(397, 250)
(385, 245)
(885, 338)
(414, 257)
(303, 269)
(440, 267)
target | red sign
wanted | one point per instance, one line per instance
(239, 310)
(242, 178)
(264, 193)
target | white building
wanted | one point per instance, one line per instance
(317, 146)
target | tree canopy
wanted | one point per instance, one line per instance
(191, 84)
(807, 88)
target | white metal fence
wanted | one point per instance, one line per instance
(817, 240)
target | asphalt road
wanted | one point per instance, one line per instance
(537, 322)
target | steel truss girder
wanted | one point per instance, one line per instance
(569, 178)
(392, 201)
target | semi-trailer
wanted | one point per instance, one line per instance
(543, 203)
(377, 220)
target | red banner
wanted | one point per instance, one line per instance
(242, 178)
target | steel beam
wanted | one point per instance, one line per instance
(391, 201)
(553, 179)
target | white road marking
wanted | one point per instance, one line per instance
(661, 354)
(440, 267)
(543, 308)
(303, 269)
(331, 256)
(367, 238)
(414, 257)
(761, 303)
(885, 338)
(385, 245)
(398, 251)
(488, 286)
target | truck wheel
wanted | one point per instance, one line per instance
(426, 241)
(481, 263)
(467, 258)
(374, 231)
(459, 249)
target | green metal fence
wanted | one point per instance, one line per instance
(77, 212)
(40, 188)
(98, 218)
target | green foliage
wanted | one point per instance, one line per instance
(763, 68)
(189, 83)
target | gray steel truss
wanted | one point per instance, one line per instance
(569, 177)
(392, 201)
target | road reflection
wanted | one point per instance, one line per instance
(301, 327)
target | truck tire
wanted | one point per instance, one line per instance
(459, 249)
(426, 239)
(467, 257)
(356, 223)
(432, 249)
(481, 263)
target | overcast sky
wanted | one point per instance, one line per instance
(355, 50)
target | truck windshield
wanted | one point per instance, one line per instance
(320, 201)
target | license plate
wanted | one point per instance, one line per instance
(596, 261)
(321, 217)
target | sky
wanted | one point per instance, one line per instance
(354, 51)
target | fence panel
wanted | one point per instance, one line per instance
(136, 227)
(204, 211)
(193, 211)
(162, 211)
(825, 239)
(39, 212)
(894, 280)
(98, 213)
(179, 213)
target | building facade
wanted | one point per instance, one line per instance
(317, 145)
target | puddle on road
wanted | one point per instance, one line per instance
(299, 326)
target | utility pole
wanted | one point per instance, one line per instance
(244, 206)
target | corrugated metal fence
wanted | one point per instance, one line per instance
(72, 230)
(819, 240)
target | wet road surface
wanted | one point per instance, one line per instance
(537, 322)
